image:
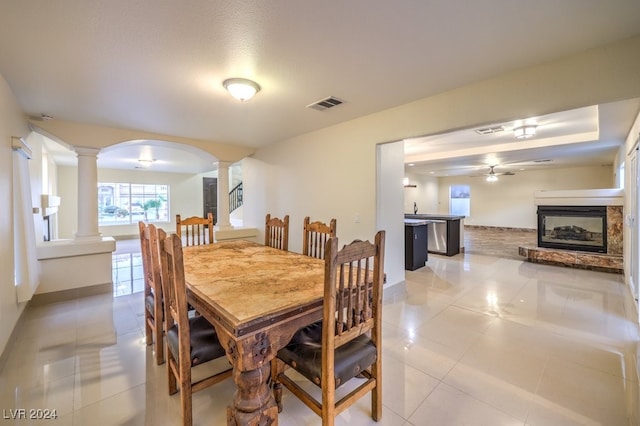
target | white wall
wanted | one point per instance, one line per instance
(509, 202)
(185, 197)
(425, 194)
(12, 123)
(389, 214)
(331, 172)
(317, 175)
(629, 185)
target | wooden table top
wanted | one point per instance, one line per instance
(250, 285)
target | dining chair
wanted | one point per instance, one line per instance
(315, 236)
(153, 312)
(195, 230)
(347, 343)
(276, 233)
(191, 341)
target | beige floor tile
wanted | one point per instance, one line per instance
(295, 413)
(467, 340)
(492, 390)
(405, 387)
(50, 395)
(426, 355)
(512, 364)
(585, 392)
(451, 407)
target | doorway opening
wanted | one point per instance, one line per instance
(210, 197)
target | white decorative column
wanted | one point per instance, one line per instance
(223, 221)
(87, 193)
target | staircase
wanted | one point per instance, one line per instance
(235, 197)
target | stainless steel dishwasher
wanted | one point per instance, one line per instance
(437, 236)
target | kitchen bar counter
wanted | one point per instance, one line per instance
(432, 217)
(416, 222)
(444, 233)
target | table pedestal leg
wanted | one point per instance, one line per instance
(253, 402)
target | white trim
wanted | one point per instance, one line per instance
(580, 197)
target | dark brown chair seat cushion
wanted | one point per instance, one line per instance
(304, 353)
(205, 345)
(149, 302)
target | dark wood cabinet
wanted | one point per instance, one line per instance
(415, 245)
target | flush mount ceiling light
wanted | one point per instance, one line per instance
(241, 88)
(524, 131)
(145, 162)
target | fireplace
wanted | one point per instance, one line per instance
(581, 228)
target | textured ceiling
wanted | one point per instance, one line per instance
(158, 65)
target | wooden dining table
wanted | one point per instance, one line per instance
(256, 297)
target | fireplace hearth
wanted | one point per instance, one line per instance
(581, 228)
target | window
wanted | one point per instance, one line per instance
(125, 203)
(459, 200)
(127, 274)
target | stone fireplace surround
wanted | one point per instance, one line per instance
(612, 261)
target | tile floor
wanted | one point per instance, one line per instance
(468, 340)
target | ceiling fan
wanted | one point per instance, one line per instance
(492, 176)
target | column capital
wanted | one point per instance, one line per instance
(86, 151)
(223, 164)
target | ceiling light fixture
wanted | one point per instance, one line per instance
(145, 162)
(492, 177)
(241, 88)
(525, 131)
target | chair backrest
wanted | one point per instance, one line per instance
(315, 236)
(173, 285)
(352, 297)
(195, 231)
(150, 262)
(276, 233)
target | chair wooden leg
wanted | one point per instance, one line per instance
(158, 333)
(328, 406)
(147, 327)
(185, 405)
(159, 343)
(173, 383)
(185, 392)
(376, 393)
(328, 414)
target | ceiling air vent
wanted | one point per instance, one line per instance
(326, 103)
(490, 130)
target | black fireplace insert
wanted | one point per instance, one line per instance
(582, 228)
